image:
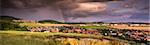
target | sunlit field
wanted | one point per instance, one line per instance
(136, 28)
(40, 38)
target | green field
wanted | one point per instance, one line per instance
(45, 34)
(95, 27)
(41, 38)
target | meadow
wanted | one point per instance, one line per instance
(41, 38)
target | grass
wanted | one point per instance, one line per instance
(95, 27)
(30, 38)
(40, 38)
(41, 34)
(41, 24)
(31, 24)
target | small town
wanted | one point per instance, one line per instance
(130, 34)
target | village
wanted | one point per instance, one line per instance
(127, 34)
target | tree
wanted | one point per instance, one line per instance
(7, 23)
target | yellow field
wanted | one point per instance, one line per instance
(40, 24)
(127, 27)
(41, 38)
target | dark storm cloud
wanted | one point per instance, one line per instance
(30, 9)
(32, 6)
(37, 3)
(26, 3)
(77, 10)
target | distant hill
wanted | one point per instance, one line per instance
(8, 18)
(57, 22)
(50, 21)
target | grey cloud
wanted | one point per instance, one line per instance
(77, 9)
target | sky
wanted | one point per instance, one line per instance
(78, 10)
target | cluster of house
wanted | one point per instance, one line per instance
(128, 34)
(65, 29)
(121, 33)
